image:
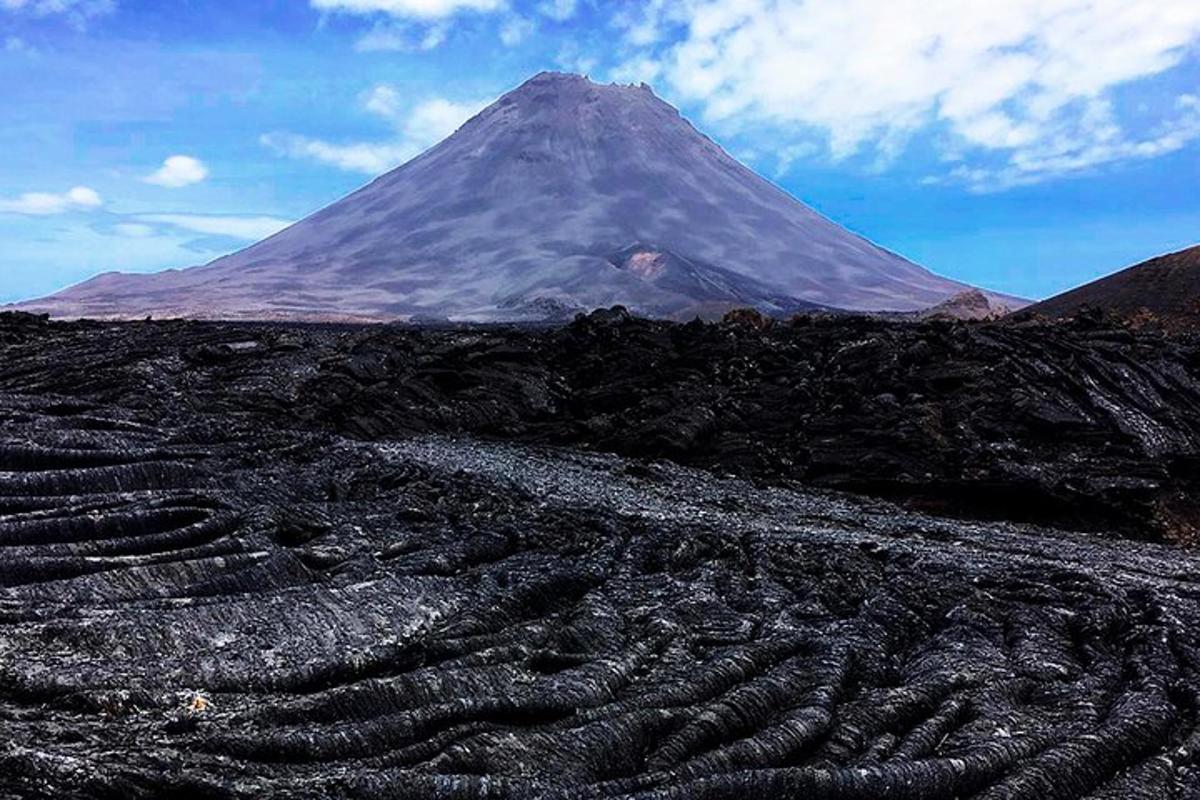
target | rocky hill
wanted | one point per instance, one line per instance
(1162, 292)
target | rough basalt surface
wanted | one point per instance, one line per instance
(1081, 425)
(209, 588)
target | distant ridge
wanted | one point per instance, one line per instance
(562, 195)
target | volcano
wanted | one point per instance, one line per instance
(562, 195)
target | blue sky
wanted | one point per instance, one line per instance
(1025, 146)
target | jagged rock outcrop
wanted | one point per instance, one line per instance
(969, 305)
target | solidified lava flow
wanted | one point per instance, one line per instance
(591, 562)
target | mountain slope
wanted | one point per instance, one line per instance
(530, 205)
(1164, 289)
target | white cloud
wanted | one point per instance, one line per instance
(637, 70)
(1102, 142)
(384, 100)
(560, 10)
(1027, 83)
(416, 25)
(418, 9)
(46, 7)
(402, 38)
(434, 36)
(434, 120)
(643, 25)
(516, 30)
(80, 198)
(133, 230)
(365, 157)
(788, 155)
(237, 227)
(76, 12)
(178, 171)
(417, 129)
(83, 196)
(571, 58)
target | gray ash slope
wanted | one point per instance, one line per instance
(433, 617)
(563, 194)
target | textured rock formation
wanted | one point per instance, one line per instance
(208, 589)
(563, 194)
(1163, 292)
(969, 305)
(1081, 425)
(222, 611)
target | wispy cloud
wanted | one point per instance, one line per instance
(399, 37)
(59, 6)
(370, 158)
(560, 10)
(573, 58)
(418, 9)
(516, 30)
(134, 230)
(249, 228)
(1030, 86)
(80, 198)
(178, 171)
(423, 25)
(1098, 141)
(406, 25)
(433, 120)
(637, 70)
(77, 12)
(417, 128)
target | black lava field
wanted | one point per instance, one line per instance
(603, 560)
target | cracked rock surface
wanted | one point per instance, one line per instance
(213, 587)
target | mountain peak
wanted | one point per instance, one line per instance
(535, 203)
(572, 87)
(554, 76)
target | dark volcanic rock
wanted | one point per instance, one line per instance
(213, 607)
(1083, 425)
(232, 567)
